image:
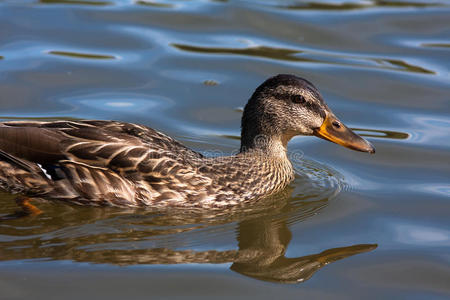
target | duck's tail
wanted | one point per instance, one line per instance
(21, 176)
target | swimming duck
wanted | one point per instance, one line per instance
(109, 163)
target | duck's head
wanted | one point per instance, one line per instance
(285, 106)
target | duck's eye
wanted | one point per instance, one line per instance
(336, 124)
(298, 99)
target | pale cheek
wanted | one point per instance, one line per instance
(317, 122)
(306, 123)
(302, 123)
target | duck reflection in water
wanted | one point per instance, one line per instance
(263, 238)
(262, 248)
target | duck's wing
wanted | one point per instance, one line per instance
(148, 136)
(96, 162)
(122, 147)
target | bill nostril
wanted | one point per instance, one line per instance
(336, 124)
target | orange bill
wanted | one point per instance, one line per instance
(334, 131)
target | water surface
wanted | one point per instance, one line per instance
(351, 225)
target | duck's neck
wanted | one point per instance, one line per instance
(269, 146)
(265, 146)
(268, 142)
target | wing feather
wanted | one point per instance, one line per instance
(110, 144)
(94, 186)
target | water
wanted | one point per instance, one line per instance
(351, 225)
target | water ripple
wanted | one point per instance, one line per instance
(82, 55)
(155, 4)
(123, 103)
(385, 134)
(436, 45)
(287, 5)
(348, 5)
(292, 55)
(76, 2)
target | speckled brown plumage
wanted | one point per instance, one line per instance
(121, 164)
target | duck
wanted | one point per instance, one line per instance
(112, 163)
